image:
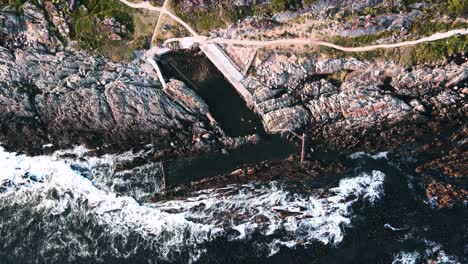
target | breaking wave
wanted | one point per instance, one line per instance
(361, 154)
(433, 253)
(76, 207)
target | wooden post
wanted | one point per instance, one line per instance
(303, 150)
(163, 180)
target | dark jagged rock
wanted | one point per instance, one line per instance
(48, 93)
(374, 96)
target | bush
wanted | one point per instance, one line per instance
(16, 4)
(279, 5)
(455, 8)
(83, 26)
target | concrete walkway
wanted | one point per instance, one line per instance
(224, 64)
(214, 53)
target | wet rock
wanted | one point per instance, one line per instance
(259, 219)
(232, 143)
(237, 172)
(417, 106)
(446, 195)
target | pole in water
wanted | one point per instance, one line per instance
(163, 180)
(303, 150)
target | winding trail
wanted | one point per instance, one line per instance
(281, 42)
(158, 23)
(146, 5)
(303, 41)
(225, 66)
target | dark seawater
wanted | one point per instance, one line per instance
(271, 148)
(226, 106)
(232, 114)
(68, 219)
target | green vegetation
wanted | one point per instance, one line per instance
(428, 53)
(204, 19)
(16, 4)
(451, 8)
(308, 2)
(279, 5)
(283, 5)
(424, 53)
(426, 26)
(84, 28)
(338, 76)
(434, 51)
(455, 8)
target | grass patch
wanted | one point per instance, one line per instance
(16, 4)
(84, 20)
(84, 28)
(424, 26)
(424, 53)
(451, 8)
(205, 19)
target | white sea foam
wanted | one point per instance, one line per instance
(406, 258)
(433, 253)
(90, 220)
(393, 228)
(360, 154)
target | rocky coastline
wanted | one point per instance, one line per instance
(52, 94)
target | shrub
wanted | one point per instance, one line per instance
(278, 5)
(455, 8)
(16, 4)
(83, 26)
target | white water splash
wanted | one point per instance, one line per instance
(393, 228)
(406, 258)
(433, 253)
(360, 154)
(136, 181)
(71, 208)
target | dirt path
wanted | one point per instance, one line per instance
(282, 42)
(302, 41)
(148, 6)
(158, 23)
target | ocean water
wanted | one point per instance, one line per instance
(69, 207)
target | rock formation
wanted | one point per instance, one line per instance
(48, 92)
(372, 95)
